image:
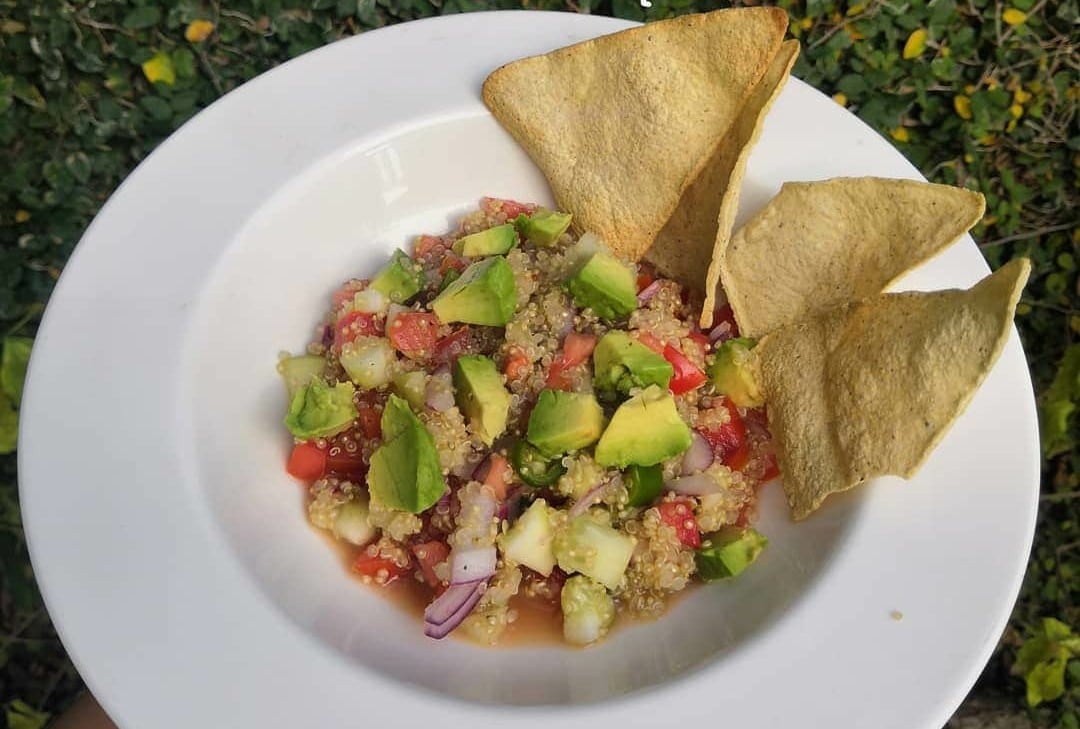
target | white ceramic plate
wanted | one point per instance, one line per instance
(171, 547)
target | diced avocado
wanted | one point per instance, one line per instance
(643, 484)
(368, 361)
(544, 227)
(353, 524)
(400, 280)
(621, 362)
(731, 373)
(594, 550)
(563, 422)
(728, 552)
(529, 541)
(319, 411)
(300, 370)
(479, 391)
(412, 387)
(484, 293)
(645, 430)
(405, 472)
(490, 242)
(604, 285)
(588, 611)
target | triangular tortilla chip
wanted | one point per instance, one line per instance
(870, 388)
(817, 245)
(622, 124)
(684, 249)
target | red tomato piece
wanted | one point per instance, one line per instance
(687, 376)
(650, 341)
(307, 462)
(679, 515)
(429, 554)
(496, 473)
(452, 261)
(347, 291)
(428, 247)
(729, 441)
(517, 364)
(701, 339)
(510, 208)
(355, 324)
(370, 418)
(772, 468)
(378, 569)
(576, 350)
(341, 461)
(414, 334)
(452, 346)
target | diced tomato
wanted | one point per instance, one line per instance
(576, 350)
(414, 334)
(452, 261)
(496, 473)
(429, 554)
(510, 208)
(379, 569)
(452, 346)
(369, 416)
(679, 514)
(428, 246)
(701, 339)
(517, 364)
(746, 514)
(650, 341)
(355, 324)
(307, 462)
(347, 291)
(687, 375)
(729, 441)
(341, 461)
(772, 468)
(644, 278)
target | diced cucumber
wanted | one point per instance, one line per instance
(352, 523)
(370, 301)
(588, 611)
(298, 371)
(368, 360)
(728, 552)
(594, 550)
(529, 541)
(411, 386)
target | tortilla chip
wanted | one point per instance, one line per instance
(870, 388)
(622, 124)
(817, 245)
(683, 251)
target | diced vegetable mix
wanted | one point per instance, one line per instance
(511, 415)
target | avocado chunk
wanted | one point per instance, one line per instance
(621, 363)
(594, 550)
(300, 370)
(479, 391)
(544, 227)
(731, 373)
(405, 472)
(728, 552)
(563, 422)
(604, 285)
(484, 293)
(490, 242)
(529, 541)
(643, 484)
(400, 279)
(645, 430)
(319, 411)
(588, 610)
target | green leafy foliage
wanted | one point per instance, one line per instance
(977, 93)
(1043, 658)
(22, 716)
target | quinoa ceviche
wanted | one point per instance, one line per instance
(515, 417)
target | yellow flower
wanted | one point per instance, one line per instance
(1010, 126)
(1016, 110)
(969, 158)
(853, 32)
(1020, 96)
(969, 89)
(159, 68)
(987, 139)
(1012, 16)
(856, 9)
(840, 98)
(1036, 86)
(21, 216)
(806, 23)
(198, 31)
(946, 51)
(900, 134)
(916, 44)
(992, 84)
(962, 104)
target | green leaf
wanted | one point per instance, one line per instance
(156, 107)
(146, 16)
(13, 361)
(1059, 403)
(1043, 658)
(9, 424)
(21, 715)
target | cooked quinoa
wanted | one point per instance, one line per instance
(559, 443)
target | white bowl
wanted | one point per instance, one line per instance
(172, 548)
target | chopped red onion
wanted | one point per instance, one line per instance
(721, 333)
(698, 456)
(592, 496)
(470, 565)
(646, 294)
(698, 484)
(451, 608)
